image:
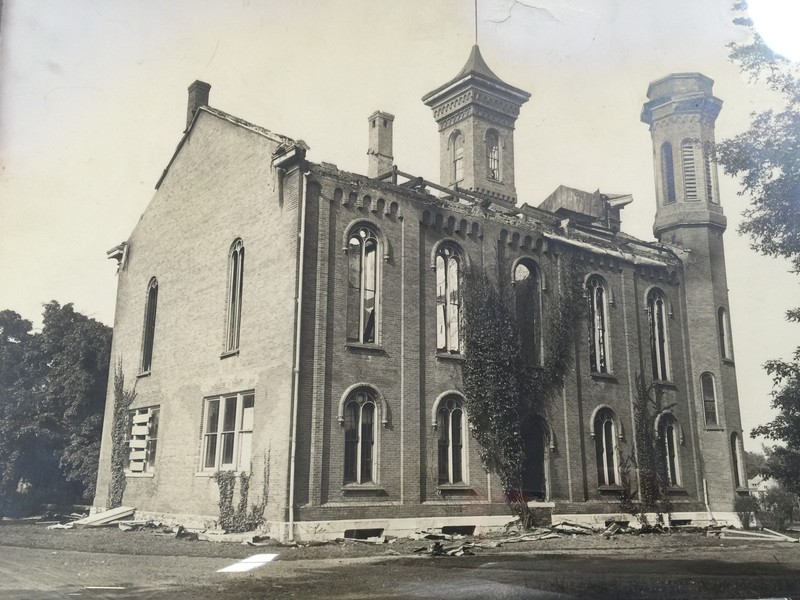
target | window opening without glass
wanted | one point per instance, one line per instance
(450, 427)
(527, 296)
(149, 326)
(598, 348)
(448, 300)
(659, 346)
(493, 155)
(362, 286)
(606, 448)
(709, 398)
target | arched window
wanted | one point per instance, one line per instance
(708, 157)
(149, 326)
(659, 341)
(528, 298)
(669, 434)
(362, 285)
(235, 286)
(736, 457)
(709, 398)
(668, 173)
(605, 444)
(724, 328)
(359, 437)
(493, 155)
(450, 425)
(457, 156)
(448, 298)
(535, 466)
(598, 329)
(689, 170)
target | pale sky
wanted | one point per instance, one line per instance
(93, 103)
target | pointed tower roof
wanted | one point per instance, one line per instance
(476, 69)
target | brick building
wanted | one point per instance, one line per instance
(328, 363)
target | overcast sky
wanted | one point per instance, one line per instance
(93, 102)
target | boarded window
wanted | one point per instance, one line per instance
(142, 439)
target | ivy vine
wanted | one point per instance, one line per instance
(119, 451)
(239, 519)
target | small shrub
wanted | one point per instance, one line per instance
(746, 507)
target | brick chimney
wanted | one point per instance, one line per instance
(198, 96)
(380, 144)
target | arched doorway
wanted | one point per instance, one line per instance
(535, 468)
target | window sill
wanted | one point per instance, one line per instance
(741, 491)
(663, 383)
(713, 428)
(455, 490)
(363, 489)
(143, 374)
(365, 348)
(229, 353)
(728, 361)
(677, 490)
(609, 488)
(212, 473)
(132, 475)
(607, 377)
(449, 356)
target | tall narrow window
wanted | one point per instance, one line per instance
(598, 334)
(235, 285)
(736, 457)
(668, 173)
(669, 433)
(708, 157)
(149, 326)
(493, 155)
(724, 327)
(605, 431)
(689, 170)
(362, 286)
(228, 432)
(659, 345)
(448, 299)
(359, 438)
(450, 426)
(527, 296)
(709, 398)
(534, 466)
(457, 156)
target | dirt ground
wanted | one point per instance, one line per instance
(39, 563)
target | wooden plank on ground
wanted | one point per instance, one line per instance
(107, 516)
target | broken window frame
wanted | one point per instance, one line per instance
(235, 290)
(493, 155)
(528, 307)
(149, 328)
(597, 295)
(141, 439)
(451, 419)
(606, 449)
(737, 461)
(363, 283)
(708, 389)
(360, 438)
(449, 281)
(659, 335)
(227, 430)
(670, 437)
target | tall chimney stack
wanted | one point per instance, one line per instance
(380, 144)
(198, 96)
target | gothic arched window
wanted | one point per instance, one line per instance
(709, 398)
(669, 433)
(528, 298)
(448, 298)
(605, 441)
(668, 173)
(363, 250)
(598, 325)
(457, 156)
(659, 341)
(359, 437)
(235, 287)
(149, 326)
(450, 425)
(493, 155)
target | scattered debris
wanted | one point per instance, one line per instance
(61, 526)
(106, 517)
(765, 535)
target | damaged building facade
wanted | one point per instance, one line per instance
(304, 325)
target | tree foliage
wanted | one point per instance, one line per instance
(766, 158)
(52, 392)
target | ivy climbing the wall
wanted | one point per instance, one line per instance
(239, 519)
(119, 450)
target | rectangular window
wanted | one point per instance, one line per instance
(143, 439)
(228, 432)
